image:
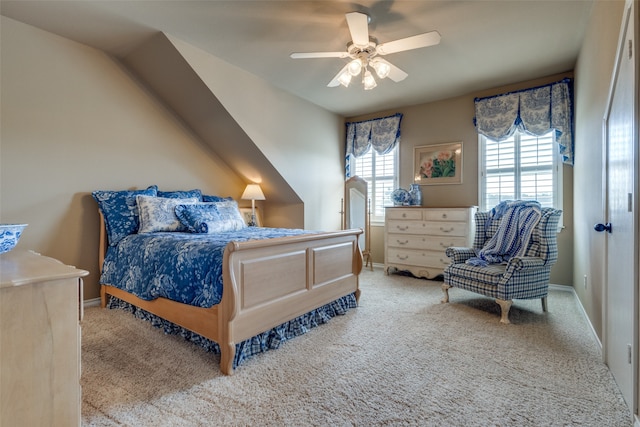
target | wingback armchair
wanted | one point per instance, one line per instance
(521, 277)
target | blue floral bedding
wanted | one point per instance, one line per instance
(183, 267)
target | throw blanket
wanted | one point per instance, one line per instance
(519, 218)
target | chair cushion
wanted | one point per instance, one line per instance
(490, 274)
(482, 280)
(490, 281)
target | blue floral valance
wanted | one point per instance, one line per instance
(534, 111)
(382, 134)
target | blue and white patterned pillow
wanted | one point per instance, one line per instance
(207, 218)
(230, 214)
(198, 218)
(158, 213)
(209, 198)
(188, 194)
(120, 211)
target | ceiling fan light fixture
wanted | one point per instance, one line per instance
(363, 51)
(382, 68)
(355, 67)
(368, 81)
(345, 78)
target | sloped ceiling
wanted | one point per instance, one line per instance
(484, 43)
(165, 71)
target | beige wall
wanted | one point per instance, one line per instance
(593, 76)
(74, 120)
(451, 120)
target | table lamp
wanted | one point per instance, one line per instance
(253, 192)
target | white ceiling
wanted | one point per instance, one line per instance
(484, 43)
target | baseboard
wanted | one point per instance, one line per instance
(94, 302)
(566, 288)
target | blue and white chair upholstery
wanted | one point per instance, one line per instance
(525, 277)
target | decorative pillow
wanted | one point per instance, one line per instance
(208, 198)
(230, 213)
(120, 211)
(158, 213)
(206, 218)
(181, 194)
(199, 218)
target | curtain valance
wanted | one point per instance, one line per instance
(382, 134)
(534, 111)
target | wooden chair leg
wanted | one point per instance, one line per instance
(505, 306)
(544, 304)
(445, 289)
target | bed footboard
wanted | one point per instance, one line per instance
(269, 282)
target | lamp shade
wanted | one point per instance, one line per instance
(368, 81)
(253, 192)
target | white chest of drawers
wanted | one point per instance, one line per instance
(416, 238)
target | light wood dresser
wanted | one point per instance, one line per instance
(416, 238)
(40, 314)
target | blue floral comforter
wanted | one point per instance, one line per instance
(183, 267)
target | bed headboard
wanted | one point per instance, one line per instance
(102, 248)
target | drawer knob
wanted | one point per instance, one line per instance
(404, 215)
(444, 215)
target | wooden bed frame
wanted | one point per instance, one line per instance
(265, 283)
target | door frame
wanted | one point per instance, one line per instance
(631, 14)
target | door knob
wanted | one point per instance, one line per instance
(603, 227)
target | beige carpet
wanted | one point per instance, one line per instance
(400, 358)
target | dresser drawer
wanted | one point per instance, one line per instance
(437, 243)
(410, 227)
(446, 215)
(399, 213)
(446, 228)
(436, 259)
(434, 228)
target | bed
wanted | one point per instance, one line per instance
(265, 281)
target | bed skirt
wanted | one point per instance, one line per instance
(269, 340)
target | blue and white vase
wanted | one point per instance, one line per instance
(401, 197)
(416, 195)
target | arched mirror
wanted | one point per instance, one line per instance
(356, 213)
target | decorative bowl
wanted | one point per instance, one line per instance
(9, 236)
(401, 197)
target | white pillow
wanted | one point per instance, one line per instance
(158, 213)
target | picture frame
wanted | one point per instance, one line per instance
(438, 164)
(246, 214)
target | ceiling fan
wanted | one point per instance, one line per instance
(365, 52)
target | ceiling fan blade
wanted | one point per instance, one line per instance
(335, 82)
(303, 55)
(414, 42)
(359, 28)
(395, 74)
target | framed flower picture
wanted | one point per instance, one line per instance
(438, 164)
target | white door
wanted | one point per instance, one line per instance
(622, 254)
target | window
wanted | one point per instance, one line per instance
(522, 167)
(380, 172)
